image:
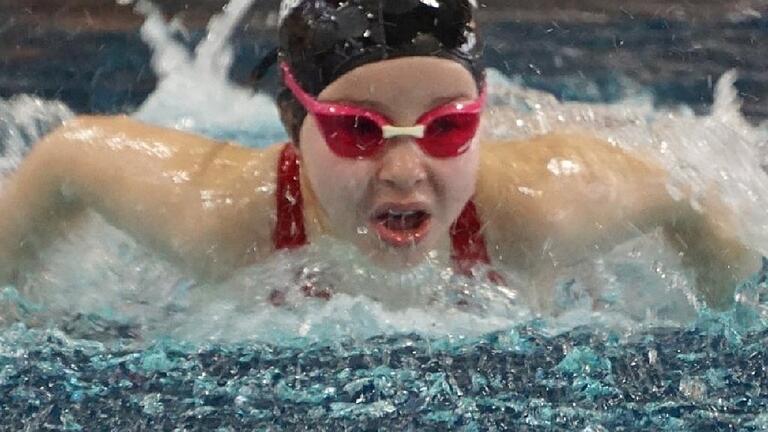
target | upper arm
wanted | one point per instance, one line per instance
(559, 198)
(201, 202)
(709, 243)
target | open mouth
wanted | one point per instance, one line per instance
(401, 228)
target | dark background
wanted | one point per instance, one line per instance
(88, 53)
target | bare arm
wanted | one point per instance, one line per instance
(204, 204)
(708, 243)
(557, 199)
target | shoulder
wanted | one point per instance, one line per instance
(556, 187)
(197, 153)
(239, 168)
(560, 159)
(539, 148)
(236, 186)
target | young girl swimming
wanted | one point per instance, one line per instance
(382, 101)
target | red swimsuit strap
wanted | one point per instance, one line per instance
(467, 240)
(289, 230)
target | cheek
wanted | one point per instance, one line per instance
(343, 189)
(339, 184)
(458, 177)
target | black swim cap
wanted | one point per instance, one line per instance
(321, 40)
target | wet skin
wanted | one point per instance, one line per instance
(210, 207)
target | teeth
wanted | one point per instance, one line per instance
(391, 213)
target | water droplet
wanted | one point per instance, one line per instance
(362, 230)
(693, 388)
(446, 274)
(652, 356)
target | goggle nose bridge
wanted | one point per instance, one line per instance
(395, 131)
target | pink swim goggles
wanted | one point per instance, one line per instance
(359, 133)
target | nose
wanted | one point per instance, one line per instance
(402, 165)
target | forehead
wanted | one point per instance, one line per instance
(403, 87)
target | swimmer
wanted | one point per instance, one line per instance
(381, 100)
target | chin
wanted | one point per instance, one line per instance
(394, 259)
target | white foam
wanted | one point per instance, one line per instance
(286, 6)
(193, 91)
(99, 269)
(24, 119)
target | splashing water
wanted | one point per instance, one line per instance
(193, 92)
(113, 275)
(391, 349)
(23, 121)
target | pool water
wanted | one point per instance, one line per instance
(108, 336)
(704, 377)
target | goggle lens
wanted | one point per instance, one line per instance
(351, 136)
(450, 135)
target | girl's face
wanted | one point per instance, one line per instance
(398, 205)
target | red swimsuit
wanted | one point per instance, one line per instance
(467, 240)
